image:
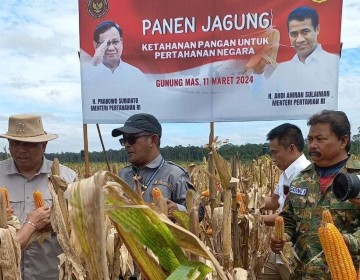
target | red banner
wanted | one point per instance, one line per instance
(199, 56)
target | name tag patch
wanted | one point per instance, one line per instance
(298, 191)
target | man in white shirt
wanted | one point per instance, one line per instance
(286, 148)
(311, 70)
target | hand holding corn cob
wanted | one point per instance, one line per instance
(278, 240)
(40, 218)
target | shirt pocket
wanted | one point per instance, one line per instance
(19, 207)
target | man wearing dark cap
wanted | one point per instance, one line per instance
(141, 135)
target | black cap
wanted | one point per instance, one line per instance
(138, 123)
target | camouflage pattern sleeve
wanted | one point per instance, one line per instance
(289, 220)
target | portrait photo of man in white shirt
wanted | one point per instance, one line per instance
(312, 72)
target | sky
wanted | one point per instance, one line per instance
(41, 74)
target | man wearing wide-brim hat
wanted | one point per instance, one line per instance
(25, 172)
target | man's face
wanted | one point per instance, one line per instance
(303, 37)
(138, 147)
(27, 155)
(324, 147)
(280, 155)
(114, 46)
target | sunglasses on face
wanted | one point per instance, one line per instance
(131, 139)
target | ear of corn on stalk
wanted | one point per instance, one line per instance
(240, 198)
(55, 168)
(336, 252)
(38, 199)
(3, 213)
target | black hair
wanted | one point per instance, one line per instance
(302, 13)
(105, 26)
(338, 121)
(287, 134)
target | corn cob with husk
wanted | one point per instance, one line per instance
(336, 252)
(38, 199)
(3, 212)
(9, 211)
(193, 212)
(10, 252)
(55, 168)
(60, 187)
(114, 168)
(6, 194)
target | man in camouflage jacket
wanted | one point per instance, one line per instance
(311, 193)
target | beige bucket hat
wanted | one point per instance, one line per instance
(27, 128)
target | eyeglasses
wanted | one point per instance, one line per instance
(131, 139)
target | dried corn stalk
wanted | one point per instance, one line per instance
(10, 252)
(87, 219)
(71, 266)
(139, 226)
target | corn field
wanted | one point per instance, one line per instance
(231, 242)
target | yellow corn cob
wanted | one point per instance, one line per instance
(38, 199)
(159, 200)
(240, 199)
(156, 192)
(6, 194)
(279, 227)
(206, 193)
(336, 252)
(209, 231)
(326, 217)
